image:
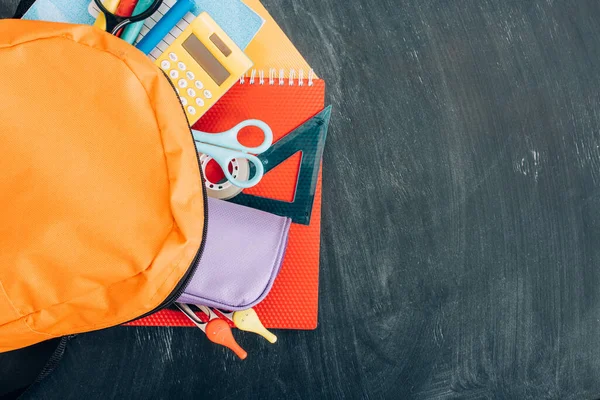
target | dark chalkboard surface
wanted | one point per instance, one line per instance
(461, 218)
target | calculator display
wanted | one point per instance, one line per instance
(205, 59)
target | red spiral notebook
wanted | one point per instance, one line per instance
(293, 301)
(286, 108)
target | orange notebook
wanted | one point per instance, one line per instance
(293, 300)
(271, 48)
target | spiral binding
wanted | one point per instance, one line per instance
(277, 77)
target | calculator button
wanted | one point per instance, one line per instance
(190, 75)
(181, 66)
(208, 94)
(174, 74)
(165, 64)
(199, 85)
(173, 56)
(191, 92)
(191, 110)
(200, 102)
(183, 83)
(183, 101)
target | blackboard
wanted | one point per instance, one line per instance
(461, 218)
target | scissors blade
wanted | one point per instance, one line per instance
(184, 308)
(223, 313)
(209, 312)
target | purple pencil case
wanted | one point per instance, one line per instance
(242, 256)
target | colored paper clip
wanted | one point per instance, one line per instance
(216, 330)
(248, 321)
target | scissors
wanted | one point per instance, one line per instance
(114, 23)
(225, 147)
(216, 329)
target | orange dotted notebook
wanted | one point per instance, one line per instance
(293, 300)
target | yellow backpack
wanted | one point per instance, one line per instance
(102, 210)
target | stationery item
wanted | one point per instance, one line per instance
(236, 19)
(225, 148)
(292, 303)
(271, 48)
(243, 254)
(309, 139)
(114, 16)
(217, 185)
(216, 330)
(126, 8)
(203, 63)
(131, 32)
(110, 7)
(247, 320)
(164, 25)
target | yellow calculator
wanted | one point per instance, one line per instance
(203, 63)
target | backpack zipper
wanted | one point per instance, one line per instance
(185, 281)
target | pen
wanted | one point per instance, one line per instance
(164, 25)
(131, 32)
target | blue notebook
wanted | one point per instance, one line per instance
(237, 20)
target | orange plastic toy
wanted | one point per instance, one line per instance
(217, 330)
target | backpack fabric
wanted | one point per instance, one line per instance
(102, 207)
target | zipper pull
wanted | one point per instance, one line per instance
(248, 321)
(216, 330)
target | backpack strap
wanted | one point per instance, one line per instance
(19, 369)
(54, 360)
